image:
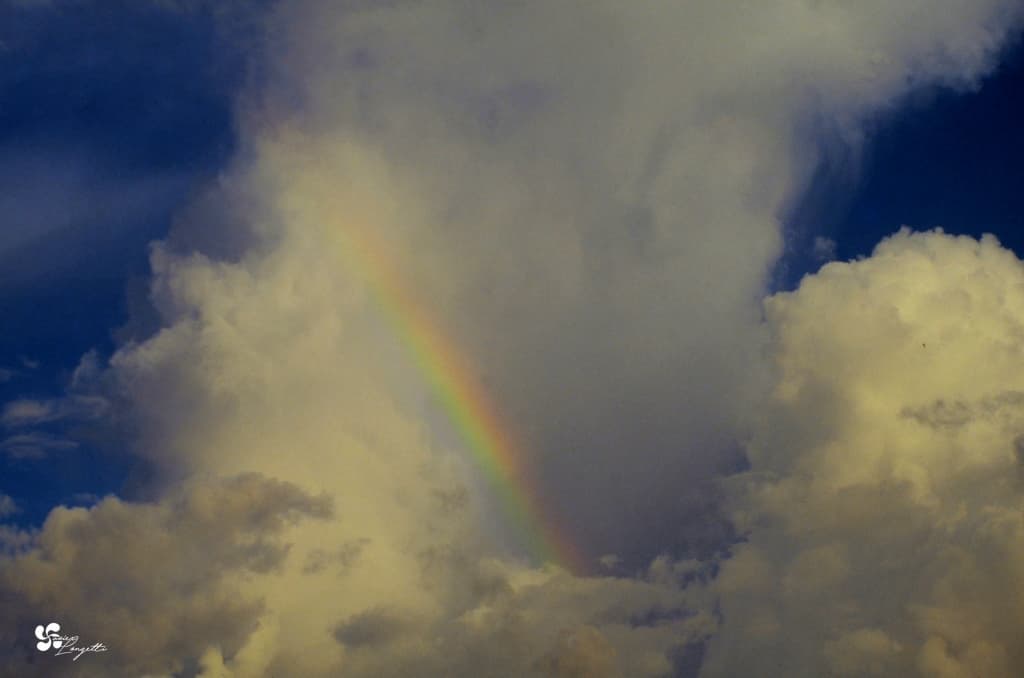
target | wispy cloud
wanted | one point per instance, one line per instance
(35, 445)
(99, 210)
(28, 412)
(22, 412)
(7, 506)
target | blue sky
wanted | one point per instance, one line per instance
(112, 119)
(941, 158)
(590, 210)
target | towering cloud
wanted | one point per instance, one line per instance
(588, 196)
(584, 199)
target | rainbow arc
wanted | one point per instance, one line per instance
(486, 436)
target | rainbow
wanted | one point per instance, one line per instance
(490, 442)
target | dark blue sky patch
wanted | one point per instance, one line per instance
(139, 86)
(112, 115)
(944, 159)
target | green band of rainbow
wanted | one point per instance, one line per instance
(488, 439)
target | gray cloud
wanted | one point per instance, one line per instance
(28, 412)
(371, 628)
(589, 198)
(7, 506)
(341, 559)
(584, 653)
(35, 445)
(956, 413)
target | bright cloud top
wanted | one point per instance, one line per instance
(884, 497)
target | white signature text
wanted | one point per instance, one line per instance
(49, 636)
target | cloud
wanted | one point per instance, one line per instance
(35, 445)
(7, 506)
(586, 197)
(99, 211)
(823, 248)
(885, 481)
(372, 628)
(585, 652)
(29, 412)
(180, 568)
(82, 401)
(25, 411)
(290, 386)
(86, 498)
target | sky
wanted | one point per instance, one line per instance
(580, 339)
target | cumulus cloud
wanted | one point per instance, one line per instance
(586, 197)
(153, 582)
(883, 499)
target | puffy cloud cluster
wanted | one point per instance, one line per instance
(884, 499)
(153, 582)
(586, 197)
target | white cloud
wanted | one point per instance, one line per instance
(885, 484)
(154, 582)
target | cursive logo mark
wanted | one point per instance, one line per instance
(50, 637)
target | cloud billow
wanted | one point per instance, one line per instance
(884, 529)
